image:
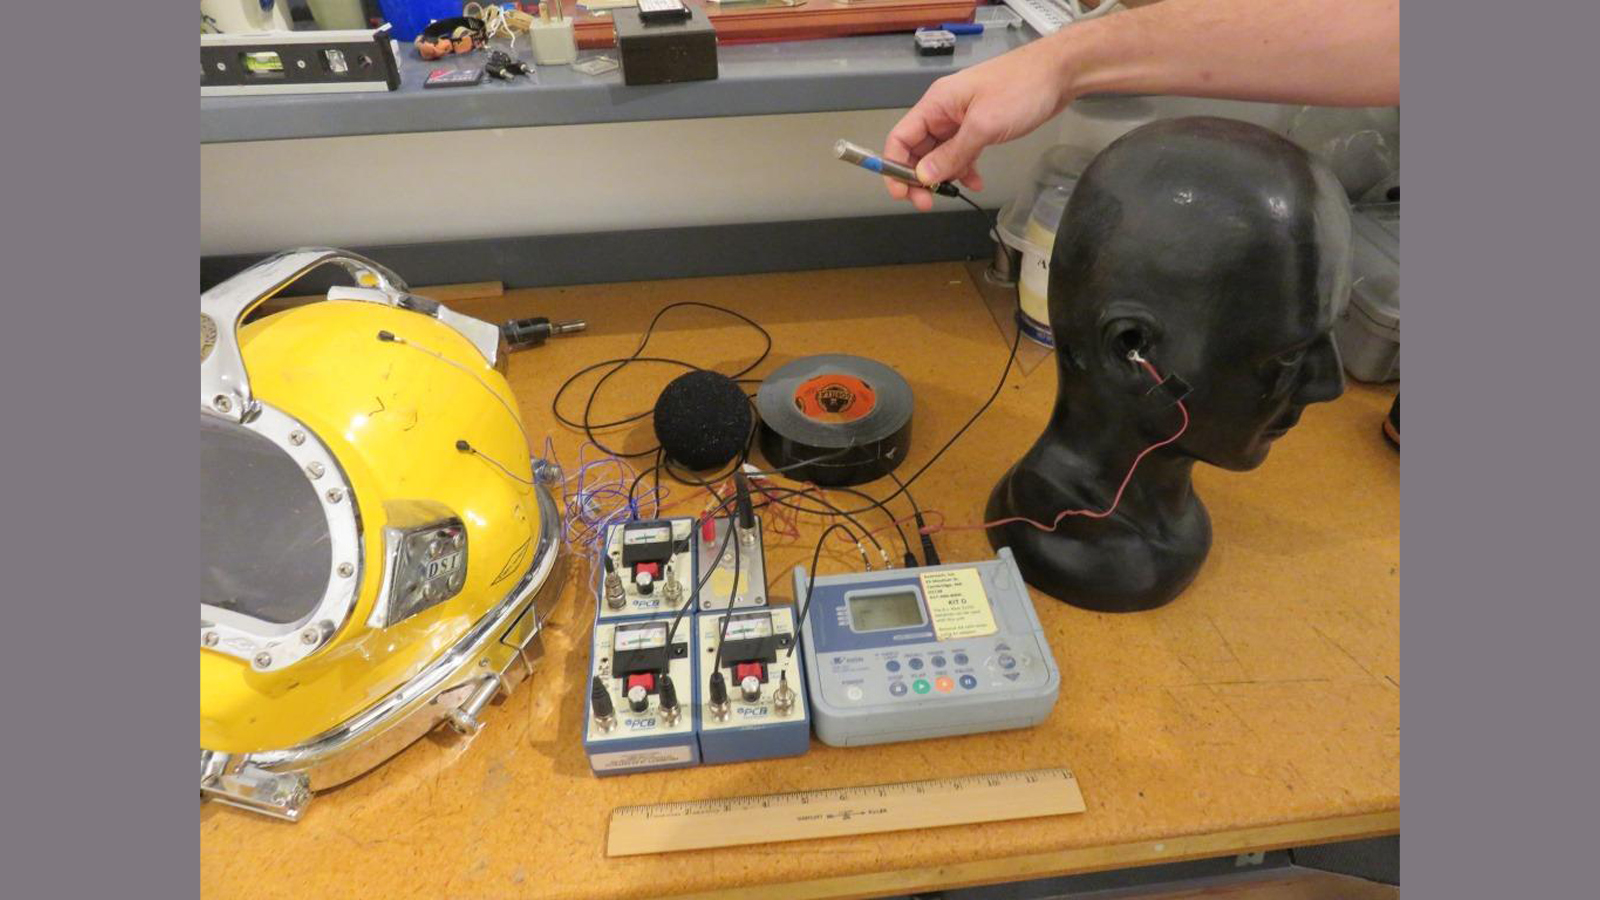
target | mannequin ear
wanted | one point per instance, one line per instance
(1125, 333)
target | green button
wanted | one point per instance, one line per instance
(920, 685)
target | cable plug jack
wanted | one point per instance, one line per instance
(720, 707)
(783, 698)
(865, 559)
(523, 334)
(930, 555)
(616, 593)
(667, 698)
(605, 714)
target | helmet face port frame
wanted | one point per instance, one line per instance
(280, 539)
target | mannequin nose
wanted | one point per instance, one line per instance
(1322, 377)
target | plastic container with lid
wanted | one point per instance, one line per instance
(1368, 332)
(1028, 224)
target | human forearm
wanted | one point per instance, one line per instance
(1294, 51)
(1320, 52)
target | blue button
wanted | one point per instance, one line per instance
(961, 659)
(915, 663)
(892, 665)
(1007, 661)
(968, 682)
(898, 689)
(938, 662)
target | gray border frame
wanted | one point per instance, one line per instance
(100, 193)
(1499, 616)
(1500, 611)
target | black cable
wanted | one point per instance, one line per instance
(588, 426)
(660, 455)
(893, 519)
(727, 614)
(704, 579)
(836, 511)
(902, 487)
(811, 583)
(634, 486)
(1005, 373)
(930, 554)
(994, 231)
(721, 474)
(806, 462)
(830, 510)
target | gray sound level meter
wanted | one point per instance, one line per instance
(906, 654)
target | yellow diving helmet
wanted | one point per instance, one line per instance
(375, 536)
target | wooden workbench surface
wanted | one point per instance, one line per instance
(1260, 709)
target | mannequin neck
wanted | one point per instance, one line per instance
(1098, 441)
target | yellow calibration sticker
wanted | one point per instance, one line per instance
(721, 581)
(958, 604)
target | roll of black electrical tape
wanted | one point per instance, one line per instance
(834, 419)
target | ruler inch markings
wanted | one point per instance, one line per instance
(834, 812)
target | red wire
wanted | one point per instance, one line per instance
(1115, 501)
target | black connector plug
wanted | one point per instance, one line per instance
(719, 689)
(747, 514)
(667, 693)
(600, 700)
(521, 334)
(930, 556)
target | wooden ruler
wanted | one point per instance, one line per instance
(830, 813)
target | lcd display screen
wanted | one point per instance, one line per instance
(880, 612)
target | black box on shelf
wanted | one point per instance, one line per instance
(665, 52)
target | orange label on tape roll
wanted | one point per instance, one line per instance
(834, 397)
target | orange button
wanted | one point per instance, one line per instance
(943, 685)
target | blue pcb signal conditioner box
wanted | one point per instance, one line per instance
(641, 711)
(906, 654)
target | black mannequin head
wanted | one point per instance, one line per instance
(1219, 251)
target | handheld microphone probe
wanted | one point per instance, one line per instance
(872, 162)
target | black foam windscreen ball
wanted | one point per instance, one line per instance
(702, 420)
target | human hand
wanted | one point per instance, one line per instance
(991, 103)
